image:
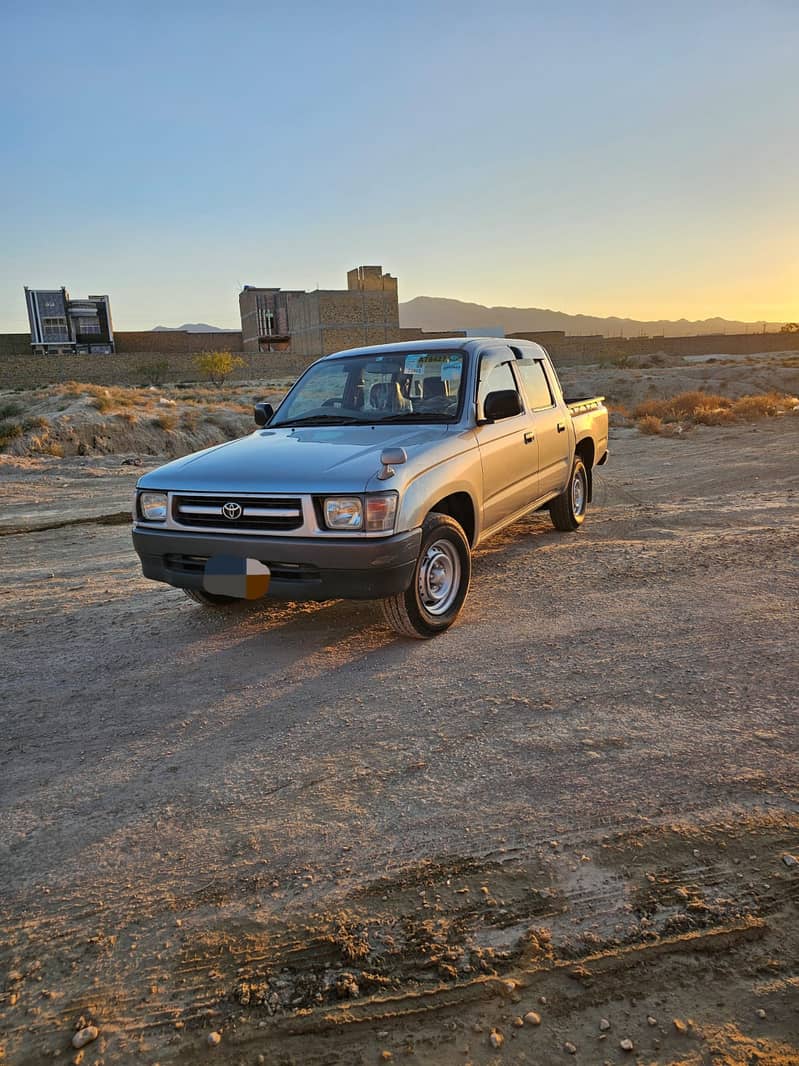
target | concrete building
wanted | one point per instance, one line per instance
(322, 321)
(60, 325)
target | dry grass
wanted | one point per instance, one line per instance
(10, 410)
(708, 409)
(650, 425)
(9, 431)
(166, 420)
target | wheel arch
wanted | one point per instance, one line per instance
(460, 506)
(586, 449)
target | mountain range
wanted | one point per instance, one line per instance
(438, 313)
(191, 327)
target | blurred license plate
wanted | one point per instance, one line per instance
(231, 575)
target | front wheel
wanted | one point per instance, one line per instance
(208, 599)
(567, 511)
(434, 598)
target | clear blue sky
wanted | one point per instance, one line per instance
(613, 158)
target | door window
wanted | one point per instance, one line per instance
(535, 384)
(498, 379)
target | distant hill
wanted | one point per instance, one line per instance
(191, 327)
(439, 313)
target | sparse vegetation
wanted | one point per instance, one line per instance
(650, 424)
(218, 366)
(9, 431)
(166, 420)
(708, 409)
(10, 410)
(153, 373)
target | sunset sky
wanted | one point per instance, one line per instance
(610, 159)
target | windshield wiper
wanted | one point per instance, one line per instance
(319, 420)
(412, 416)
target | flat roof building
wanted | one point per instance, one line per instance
(60, 325)
(322, 321)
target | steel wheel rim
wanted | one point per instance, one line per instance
(578, 492)
(439, 577)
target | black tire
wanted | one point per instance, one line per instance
(434, 598)
(208, 599)
(567, 511)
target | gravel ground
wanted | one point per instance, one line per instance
(328, 844)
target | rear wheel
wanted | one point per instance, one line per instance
(434, 598)
(567, 511)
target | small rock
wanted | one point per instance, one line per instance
(542, 1000)
(214, 1039)
(626, 1044)
(532, 1017)
(604, 1024)
(518, 1022)
(650, 1020)
(386, 1056)
(680, 1025)
(85, 1036)
(760, 1013)
(496, 1038)
(570, 1048)
(790, 860)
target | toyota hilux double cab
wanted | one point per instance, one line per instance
(375, 478)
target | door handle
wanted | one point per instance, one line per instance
(561, 427)
(529, 438)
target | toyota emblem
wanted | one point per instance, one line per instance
(231, 510)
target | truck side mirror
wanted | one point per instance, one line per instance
(504, 403)
(263, 413)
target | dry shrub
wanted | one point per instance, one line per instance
(166, 420)
(650, 424)
(749, 408)
(128, 416)
(35, 423)
(712, 416)
(683, 406)
(10, 410)
(686, 404)
(708, 409)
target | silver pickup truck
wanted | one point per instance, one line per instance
(379, 472)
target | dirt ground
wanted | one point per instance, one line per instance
(568, 823)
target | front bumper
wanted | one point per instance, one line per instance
(303, 568)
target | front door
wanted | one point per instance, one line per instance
(508, 448)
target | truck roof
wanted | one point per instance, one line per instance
(437, 344)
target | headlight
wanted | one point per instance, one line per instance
(380, 512)
(152, 506)
(343, 512)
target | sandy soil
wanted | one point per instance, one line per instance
(334, 846)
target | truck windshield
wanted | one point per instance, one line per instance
(391, 387)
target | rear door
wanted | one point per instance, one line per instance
(549, 423)
(508, 449)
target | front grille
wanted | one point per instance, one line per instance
(256, 512)
(195, 564)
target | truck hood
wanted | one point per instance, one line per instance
(312, 459)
